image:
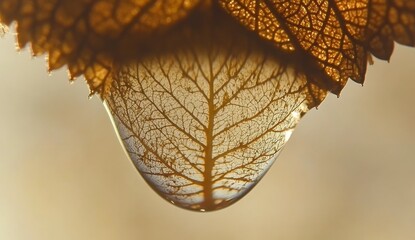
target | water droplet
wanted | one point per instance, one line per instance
(205, 114)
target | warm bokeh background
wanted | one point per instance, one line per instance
(347, 173)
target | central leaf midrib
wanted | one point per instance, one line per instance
(209, 164)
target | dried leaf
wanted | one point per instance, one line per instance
(202, 104)
(331, 37)
(89, 35)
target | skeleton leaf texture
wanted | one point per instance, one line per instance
(204, 94)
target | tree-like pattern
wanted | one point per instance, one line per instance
(205, 115)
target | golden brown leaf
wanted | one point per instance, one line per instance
(329, 40)
(89, 35)
(203, 105)
(330, 37)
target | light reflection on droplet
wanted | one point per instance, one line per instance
(288, 134)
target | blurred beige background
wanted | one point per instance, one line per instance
(347, 172)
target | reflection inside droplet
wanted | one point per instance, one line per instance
(205, 113)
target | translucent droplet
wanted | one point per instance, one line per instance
(205, 113)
